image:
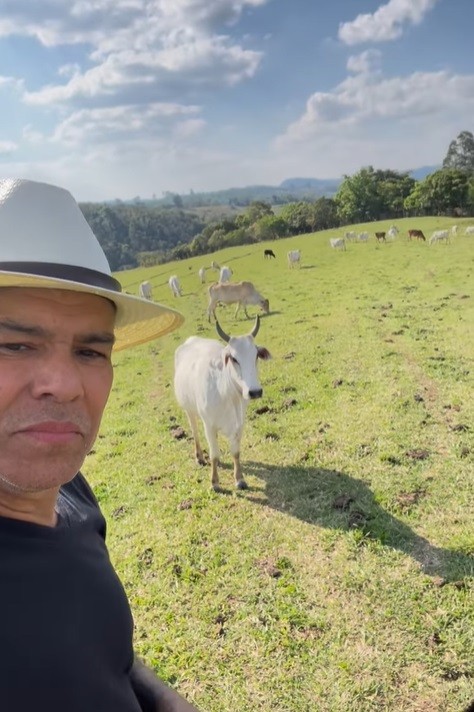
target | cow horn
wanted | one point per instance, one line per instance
(222, 333)
(256, 327)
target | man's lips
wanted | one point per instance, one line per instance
(53, 431)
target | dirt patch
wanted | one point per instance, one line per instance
(418, 454)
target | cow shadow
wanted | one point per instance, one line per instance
(334, 500)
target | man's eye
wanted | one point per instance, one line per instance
(91, 354)
(14, 348)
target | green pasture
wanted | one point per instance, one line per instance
(342, 580)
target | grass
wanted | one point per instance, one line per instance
(342, 580)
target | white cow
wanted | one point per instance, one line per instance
(439, 236)
(454, 230)
(225, 274)
(202, 274)
(242, 293)
(363, 237)
(145, 290)
(469, 230)
(174, 285)
(337, 243)
(350, 236)
(294, 258)
(215, 383)
(215, 266)
(392, 232)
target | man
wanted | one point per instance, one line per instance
(66, 632)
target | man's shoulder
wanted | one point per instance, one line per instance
(77, 502)
(79, 490)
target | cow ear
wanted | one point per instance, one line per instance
(263, 353)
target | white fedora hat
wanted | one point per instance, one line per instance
(45, 241)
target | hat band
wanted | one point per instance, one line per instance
(71, 273)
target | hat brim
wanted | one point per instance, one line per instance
(138, 320)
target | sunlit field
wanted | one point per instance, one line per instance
(342, 579)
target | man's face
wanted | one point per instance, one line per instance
(55, 378)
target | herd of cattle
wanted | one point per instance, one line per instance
(243, 293)
(214, 382)
(436, 237)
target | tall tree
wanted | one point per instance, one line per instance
(460, 153)
(440, 193)
(358, 198)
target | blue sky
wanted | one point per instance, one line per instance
(124, 98)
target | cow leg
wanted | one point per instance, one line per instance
(211, 435)
(198, 453)
(240, 483)
(211, 310)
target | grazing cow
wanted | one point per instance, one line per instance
(469, 230)
(225, 274)
(392, 232)
(145, 290)
(454, 230)
(350, 236)
(439, 236)
(174, 285)
(294, 258)
(242, 293)
(363, 237)
(269, 253)
(416, 233)
(202, 274)
(380, 236)
(215, 266)
(337, 243)
(215, 383)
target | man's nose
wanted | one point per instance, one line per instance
(58, 377)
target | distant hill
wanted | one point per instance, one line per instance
(289, 190)
(326, 186)
(423, 171)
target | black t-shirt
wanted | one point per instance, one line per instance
(65, 623)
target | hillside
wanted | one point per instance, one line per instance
(341, 581)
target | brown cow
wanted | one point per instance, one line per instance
(380, 236)
(416, 233)
(242, 293)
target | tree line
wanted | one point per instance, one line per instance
(140, 235)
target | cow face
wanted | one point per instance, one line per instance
(240, 358)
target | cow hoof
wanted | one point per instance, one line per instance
(241, 485)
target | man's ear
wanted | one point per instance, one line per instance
(263, 353)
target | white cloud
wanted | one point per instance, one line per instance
(69, 70)
(364, 62)
(121, 124)
(140, 50)
(189, 128)
(397, 122)
(8, 147)
(31, 135)
(365, 97)
(11, 83)
(386, 23)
